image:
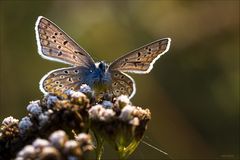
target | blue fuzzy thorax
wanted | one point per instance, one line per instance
(98, 77)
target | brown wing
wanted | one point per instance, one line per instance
(60, 80)
(142, 59)
(122, 84)
(54, 44)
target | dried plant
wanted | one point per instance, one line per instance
(58, 127)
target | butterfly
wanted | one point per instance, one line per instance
(54, 44)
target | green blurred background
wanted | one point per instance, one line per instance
(192, 92)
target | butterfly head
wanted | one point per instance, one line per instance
(103, 67)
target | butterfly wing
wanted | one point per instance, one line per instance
(142, 59)
(60, 80)
(54, 44)
(122, 84)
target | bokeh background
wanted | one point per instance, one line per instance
(192, 92)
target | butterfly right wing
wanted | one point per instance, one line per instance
(60, 80)
(54, 44)
(122, 84)
(141, 60)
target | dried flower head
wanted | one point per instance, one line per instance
(25, 125)
(34, 108)
(122, 125)
(9, 128)
(59, 146)
(122, 101)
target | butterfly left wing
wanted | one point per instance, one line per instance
(142, 59)
(54, 44)
(60, 80)
(122, 84)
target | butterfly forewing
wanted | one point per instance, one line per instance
(142, 59)
(122, 84)
(56, 45)
(62, 79)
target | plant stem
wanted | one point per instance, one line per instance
(100, 147)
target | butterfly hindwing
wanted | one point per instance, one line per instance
(142, 59)
(60, 80)
(54, 44)
(122, 84)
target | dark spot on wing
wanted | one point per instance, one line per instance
(77, 52)
(65, 42)
(139, 54)
(60, 53)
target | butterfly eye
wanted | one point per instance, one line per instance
(66, 72)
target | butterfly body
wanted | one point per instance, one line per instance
(54, 44)
(100, 78)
